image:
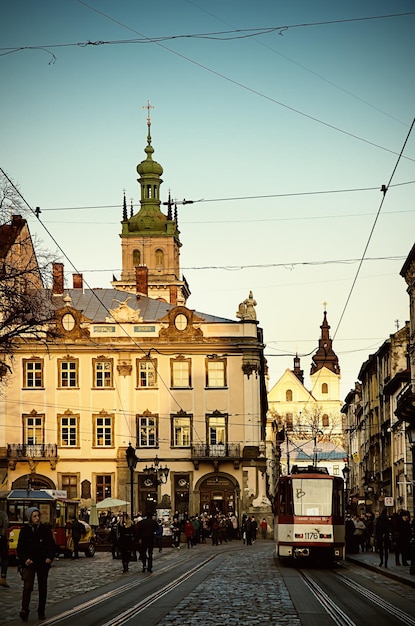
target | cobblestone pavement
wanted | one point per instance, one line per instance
(245, 588)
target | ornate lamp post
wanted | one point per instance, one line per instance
(346, 475)
(131, 462)
(161, 474)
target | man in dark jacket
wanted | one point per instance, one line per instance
(146, 531)
(36, 550)
(77, 530)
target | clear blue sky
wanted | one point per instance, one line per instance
(287, 114)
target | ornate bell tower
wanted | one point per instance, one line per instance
(150, 241)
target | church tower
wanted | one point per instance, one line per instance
(150, 241)
(325, 369)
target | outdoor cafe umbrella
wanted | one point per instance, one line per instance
(93, 515)
(111, 503)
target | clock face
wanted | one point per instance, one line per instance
(180, 321)
(68, 321)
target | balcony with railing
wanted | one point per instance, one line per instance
(216, 453)
(32, 453)
(405, 404)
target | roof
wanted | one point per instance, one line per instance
(26, 494)
(326, 451)
(96, 304)
(9, 234)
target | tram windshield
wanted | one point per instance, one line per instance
(312, 497)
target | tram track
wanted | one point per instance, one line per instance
(333, 609)
(338, 614)
(127, 615)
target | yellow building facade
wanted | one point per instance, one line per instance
(132, 364)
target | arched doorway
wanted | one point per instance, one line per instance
(219, 493)
(33, 481)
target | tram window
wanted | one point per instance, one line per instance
(312, 497)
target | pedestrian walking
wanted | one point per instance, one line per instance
(159, 535)
(35, 550)
(382, 536)
(125, 540)
(4, 548)
(77, 530)
(146, 530)
(176, 531)
(189, 531)
(264, 528)
(405, 536)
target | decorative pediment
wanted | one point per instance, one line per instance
(124, 313)
(183, 325)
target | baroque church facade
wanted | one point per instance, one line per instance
(131, 370)
(306, 426)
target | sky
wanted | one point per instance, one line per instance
(281, 120)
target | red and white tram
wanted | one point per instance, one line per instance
(309, 515)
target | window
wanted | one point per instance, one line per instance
(289, 395)
(102, 373)
(325, 422)
(33, 425)
(147, 430)
(181, 429)
(216, 432)
(215, 373)
(68, 372)
(180, 373)
(103, 430)
(289, 421)
(33, 373)
(324, 388)
(103, 487)
(159, 254)
(136, 258)
(70, 485)
(68, 429)
(312, 497)
(146, 373)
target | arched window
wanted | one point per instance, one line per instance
(325, 422)
(324, 388)
(136, 258)
(159, 258)
(289, 395)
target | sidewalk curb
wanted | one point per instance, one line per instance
(381, 570)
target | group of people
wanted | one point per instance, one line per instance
(381, 533)
(140, 534)
(219, 528)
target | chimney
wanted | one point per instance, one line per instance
(173, 294)
(141, 279)
(78, 281)
(57, 287)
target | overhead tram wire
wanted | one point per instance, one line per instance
(227, 35)
(241, 85)
(384, 189)
(133, 340)
(240, 198)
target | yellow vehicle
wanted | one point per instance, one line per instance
(55, 511)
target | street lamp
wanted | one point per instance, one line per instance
(346, 475)
(410, 433)
(131, 462)
(161, 473)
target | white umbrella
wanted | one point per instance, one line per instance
(111, 503)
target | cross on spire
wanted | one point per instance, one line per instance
(148, 106)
